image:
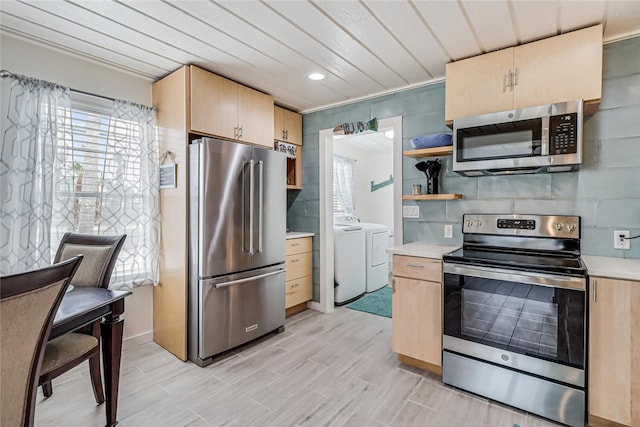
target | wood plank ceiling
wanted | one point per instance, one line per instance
(365, 48)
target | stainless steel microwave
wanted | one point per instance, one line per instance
(546, 138)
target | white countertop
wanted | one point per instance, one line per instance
(615, 268)
(298, 234)
(422, 249)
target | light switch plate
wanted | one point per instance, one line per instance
(410, 212)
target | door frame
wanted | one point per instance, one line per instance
(325, 139)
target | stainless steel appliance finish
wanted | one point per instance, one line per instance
(545, 138)
(532, 394)
(514, 308)
(237, 211)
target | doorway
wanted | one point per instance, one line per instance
(326, 139)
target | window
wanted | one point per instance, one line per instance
(343, 183)
(106, 182)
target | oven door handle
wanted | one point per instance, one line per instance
(533, 278)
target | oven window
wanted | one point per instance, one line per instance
(538, 321)
(504, 140)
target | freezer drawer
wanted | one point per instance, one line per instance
(239, 308)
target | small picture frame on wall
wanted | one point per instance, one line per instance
(168, 176)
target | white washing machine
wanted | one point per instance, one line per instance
(376, 243)
(349, 257)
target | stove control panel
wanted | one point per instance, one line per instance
(517, 224)
(555, 226)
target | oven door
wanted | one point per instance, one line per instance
(529, 321)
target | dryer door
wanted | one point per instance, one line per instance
(379, 243)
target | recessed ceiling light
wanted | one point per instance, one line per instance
(316, 76)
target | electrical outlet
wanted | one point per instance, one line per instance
(448, 231)
(621, 240)
(410, 212)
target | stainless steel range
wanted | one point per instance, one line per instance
(515, 304)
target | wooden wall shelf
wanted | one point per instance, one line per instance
(433, 197)
(430, 152)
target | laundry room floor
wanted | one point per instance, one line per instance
(332, 369)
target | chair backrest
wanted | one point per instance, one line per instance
(100, 255)
(28, 305)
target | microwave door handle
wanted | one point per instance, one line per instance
(545, 136)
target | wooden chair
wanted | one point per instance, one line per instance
(69, 350)
(28, 304)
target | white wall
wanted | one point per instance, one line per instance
(23, 57)
(370, 166)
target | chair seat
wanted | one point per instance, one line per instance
(66, 348)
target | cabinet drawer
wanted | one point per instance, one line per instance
(417, 268)
(298, 265)
(298, 246)
(298, 291)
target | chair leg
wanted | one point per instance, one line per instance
(96, 378)
(47, 389)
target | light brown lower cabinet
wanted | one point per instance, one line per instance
(299, 276)
(614, 352)
(417, 311)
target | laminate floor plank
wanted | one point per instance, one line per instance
(333, 369)
(413, 415)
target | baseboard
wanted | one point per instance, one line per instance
(137, 340)
(314, 305)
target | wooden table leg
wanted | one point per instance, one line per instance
(112, 329)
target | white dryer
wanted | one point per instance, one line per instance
(349, 263)
(376, 243)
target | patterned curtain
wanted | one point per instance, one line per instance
(26, 172)
(131, 193)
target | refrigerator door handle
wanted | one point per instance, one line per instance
(247, 279)
(260, 203)
(251, 203)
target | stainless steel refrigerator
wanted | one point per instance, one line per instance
(237, 226)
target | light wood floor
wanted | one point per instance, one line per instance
(325, 370)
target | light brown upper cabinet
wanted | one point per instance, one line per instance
(556, 69)
(222, 107)
(287, 126)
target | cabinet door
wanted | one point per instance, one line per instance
(293, 127)
(214, 104)
(255, 116)
(614, 369)
(478, 85)
(278, 123)
(559, 68)
(417, 319)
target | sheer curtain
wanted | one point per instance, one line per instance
(27, 156)
(131, 193)
(343, 185)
